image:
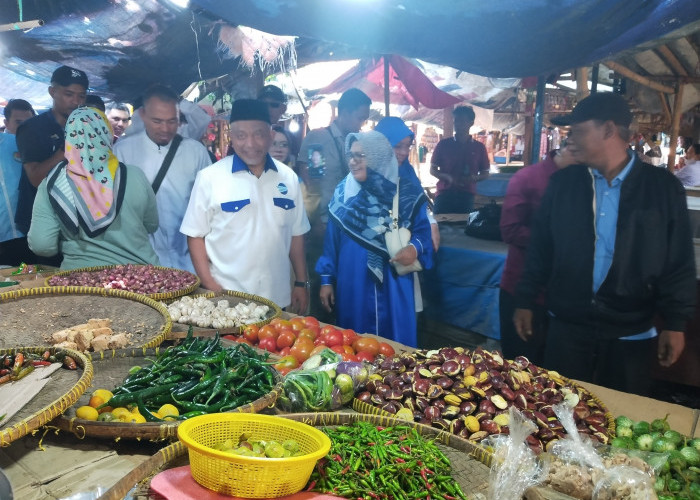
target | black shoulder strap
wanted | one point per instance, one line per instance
(166, 162)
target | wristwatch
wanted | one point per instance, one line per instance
(302, 284)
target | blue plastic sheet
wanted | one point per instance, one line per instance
(462, 287)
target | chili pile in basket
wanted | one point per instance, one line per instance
(373, 462)
(198, 376)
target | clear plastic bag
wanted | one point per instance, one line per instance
(323, 384)
(515, 466)
(624, 481)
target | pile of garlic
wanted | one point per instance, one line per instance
(205, 313)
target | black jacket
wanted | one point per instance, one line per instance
(653, 267)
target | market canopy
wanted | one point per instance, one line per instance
(505, 38)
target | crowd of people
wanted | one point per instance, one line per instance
(599, 241)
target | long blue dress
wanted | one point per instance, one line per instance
(363, 304)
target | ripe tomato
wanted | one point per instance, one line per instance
(310, 322)
(386, 349)
(268, 344)
(286, 338)
(340, 349)
(349, 336)
(327, 329)
(366, 344)
(334, 338)
(238, 338)
(302, 349)
(267, 332)
(364, 356)
(307, 333)
(349, 357)
(251, 333)
(285, 351)
(297, 324)
(279, 323)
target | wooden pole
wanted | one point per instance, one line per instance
(447, 123)
(509, 144)
(594, 78)
(619, 68)
(672, 60)
(581, 84)
(387, 96)
(675, 126)
(664, 106)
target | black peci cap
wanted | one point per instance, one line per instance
(599, 106)
(249, 109)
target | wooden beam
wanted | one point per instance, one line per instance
(672, 60)
(581, 83)
(619, 68)
(447, 123)
(675, 126)
(664, 106)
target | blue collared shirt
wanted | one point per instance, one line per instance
(607, 204)
(238, 164)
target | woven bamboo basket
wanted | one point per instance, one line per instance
(28, 306)
(362, 407)
(233, 298)
(155, 296)
(110, 369)
(62, 391)
(467, 469)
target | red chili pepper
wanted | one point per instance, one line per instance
(41, 363)
(449, 497)
(4, 371)
(400, 461)
(347, 468)
(388, 443)
(337, 458)
(380, 428)
(405, 449)
(46, 355)
(5, 378)
(311, 485)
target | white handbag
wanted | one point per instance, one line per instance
(397, 238)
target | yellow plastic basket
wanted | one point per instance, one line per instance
(250, 477)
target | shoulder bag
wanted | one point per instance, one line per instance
(397, 238)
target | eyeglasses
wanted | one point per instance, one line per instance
(284, 144)
(355, 156)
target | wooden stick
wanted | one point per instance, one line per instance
(581, 83)
(619, 68)
(664, 105)
(675, 126)
(672, 60)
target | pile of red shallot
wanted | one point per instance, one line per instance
(469, 393)
(144, 279)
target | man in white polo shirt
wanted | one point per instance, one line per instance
(245, 220)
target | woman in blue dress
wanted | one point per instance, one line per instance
(357, 275)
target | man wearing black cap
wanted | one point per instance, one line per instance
(40, 142)
(245, 222)
(612, 246)
(276, 101)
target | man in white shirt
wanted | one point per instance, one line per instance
(246, 221)
(148, 150)
(690, 174)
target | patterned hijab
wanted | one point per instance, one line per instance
(362, 209)
(87, 189)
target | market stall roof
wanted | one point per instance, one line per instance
(508, 38)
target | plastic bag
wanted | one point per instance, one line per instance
(515, 466)
(325, 383)
(624, 481)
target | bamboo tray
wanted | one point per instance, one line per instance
(155, 296)
(110, 369)
(63, 390)
(467, 469)
(233, 297)
(30, 316)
